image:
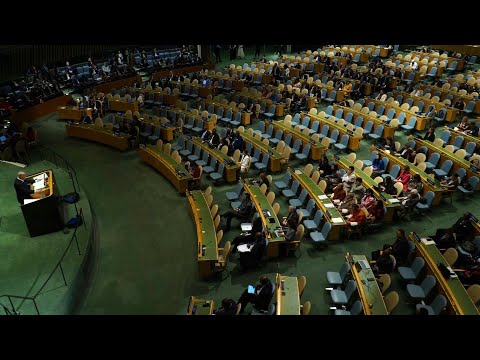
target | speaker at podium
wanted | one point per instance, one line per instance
(42, 213)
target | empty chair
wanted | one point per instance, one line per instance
(338, 278)
(420, 292)
(391, 301)
(474, 293)
(470, 148)
(292, 192)
(278, 137)
(307, 212)
(436, 307)
(394, 171)
(235, 195)
(334, 137)
(304, 154)
(219, 174)
(321, 237)
(264, 164)
(378, 133)
(296, 146)
(269, 133)
(314, 224)
(340, 297)
(343, 144)
(451, 256)
(432, 161)
(457, 143)
(410, 125)
(411, 273)
(196, 155)
(444, 170)
(368, 128)
(283, 183)
(300, 200)
(356, 309)
(211, 168)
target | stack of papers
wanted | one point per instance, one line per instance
(322, 197)
(329, 205)
(38, 185)
(428, 242)
(299, 172)
(394, 201)
(337, 220)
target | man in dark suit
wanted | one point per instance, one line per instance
(22, 187)
(214, 139)
(248, 237)
(251, 257)
(261, 296)
(242, 212)
(292, 214)
(228, 308)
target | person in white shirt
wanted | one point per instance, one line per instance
(414, 65)
(349, 178)
(245, 162)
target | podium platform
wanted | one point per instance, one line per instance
(42, 215)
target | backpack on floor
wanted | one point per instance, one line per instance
(71, 198)
(74, 222)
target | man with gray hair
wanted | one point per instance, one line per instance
(292, 214)
(22, 187)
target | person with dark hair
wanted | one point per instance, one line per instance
(264, 180)
(358, 190)
(388, 186)
(292, 214)
(384, 263)
(261, 295)
(378, 166)
(430, 134)
(291, 230)
(404, 177)
(229, 307)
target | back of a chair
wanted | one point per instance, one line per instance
(451, 256)
(474, 293)
(302, 281)
(305, 310)
(399, 188)
(428, 284)
(384, 281)
(308, 169)
(351, 288)
(351, 157)
(276, 208)
(438, 304)
(391, 301)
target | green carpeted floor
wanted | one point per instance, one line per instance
(147, 240)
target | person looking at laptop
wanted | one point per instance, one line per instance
(242, 212)
(259, 295)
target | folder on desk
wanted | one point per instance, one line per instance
(323, 197)
(329, 205)
(337, 220)
(394, 201)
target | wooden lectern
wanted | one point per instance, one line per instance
(42, 213)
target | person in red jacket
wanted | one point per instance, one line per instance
(404, 177)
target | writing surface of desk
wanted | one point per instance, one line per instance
(42, 214)
(166, 166)
(275, 156)
(388, 131)
(458, 162)
(123, 106)
(231, 170)
(270, 222)
(451, 111)
(73, 113)
(468, 138)
(354, 138)
(288, 298)
(198, 306)
(97, 134)
(459, 302)
(422, 120)
(434, 185)
(316, 150)
(367, 287)
(323, 202)
(389, 202)
(207, 249)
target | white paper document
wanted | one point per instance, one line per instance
(427, 242)
(38, 185)
(337, 220)
(329, 205)
(323, 197)
(28, 201)
(243, 248)
(299, 172)
(394, 201)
